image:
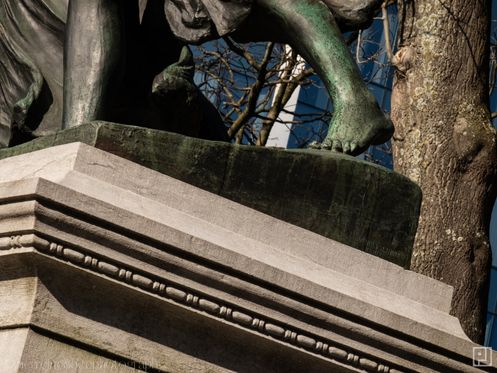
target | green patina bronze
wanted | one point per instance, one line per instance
(351, 201)
(64, 63)
(116, 56)
(357, 119)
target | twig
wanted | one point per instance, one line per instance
(386, 32)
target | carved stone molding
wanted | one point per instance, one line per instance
(201, 303)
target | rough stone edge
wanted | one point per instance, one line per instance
(191, 300)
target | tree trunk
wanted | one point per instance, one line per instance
(445, 142)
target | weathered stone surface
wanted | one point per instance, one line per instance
(82, 322)
(131, 265)
(185, 208)
(26, 351)
(337, 196)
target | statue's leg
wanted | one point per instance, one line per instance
(312, 30)
(94, 48)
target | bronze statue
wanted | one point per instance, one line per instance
(122, 62)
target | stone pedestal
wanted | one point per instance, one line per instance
(109, 266)
(337, 196)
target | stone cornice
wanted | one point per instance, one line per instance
(166, 257)
(186, 298)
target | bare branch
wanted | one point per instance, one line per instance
(255, 91)
(386, 32)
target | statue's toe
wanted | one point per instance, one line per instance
(337, 146)
(346, 147)
(315, 145)
(353, 147)
(327, 143)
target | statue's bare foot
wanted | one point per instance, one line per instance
(354, 129)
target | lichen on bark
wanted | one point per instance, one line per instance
(446, 143)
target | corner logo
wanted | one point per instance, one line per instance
(482, 356)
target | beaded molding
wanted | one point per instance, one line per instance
(185, 298)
